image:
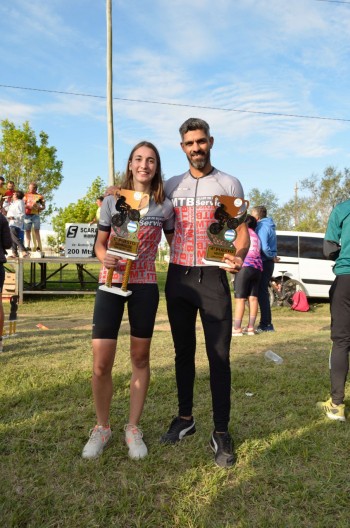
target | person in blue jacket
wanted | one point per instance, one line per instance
(266, 231)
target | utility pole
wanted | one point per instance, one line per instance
(296, 205)
(109, 61)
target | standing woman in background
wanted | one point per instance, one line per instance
(246, 283)
(5, 243)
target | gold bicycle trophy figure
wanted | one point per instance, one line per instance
(230, 212)
(130, 206)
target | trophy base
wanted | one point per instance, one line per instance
(115, 290)
(215, 263)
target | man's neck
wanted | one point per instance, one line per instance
(200, 173)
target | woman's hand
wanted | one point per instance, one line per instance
(232, 263)
(110, 261)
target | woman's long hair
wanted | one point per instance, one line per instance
(157, 188)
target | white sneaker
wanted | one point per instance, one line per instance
(133, 439)
(99, 438)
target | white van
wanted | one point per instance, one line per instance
(302, 261)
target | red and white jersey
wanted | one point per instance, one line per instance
(151, 225)
(192, 199)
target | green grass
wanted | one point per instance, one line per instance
(292, 463)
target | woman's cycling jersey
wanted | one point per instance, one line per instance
(194, 211)
(151, 224)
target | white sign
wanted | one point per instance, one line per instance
(80, 240)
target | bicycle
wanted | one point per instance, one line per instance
(282, 289)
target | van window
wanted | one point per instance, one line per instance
(287, 245)
(311, 247)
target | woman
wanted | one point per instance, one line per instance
(246, 283)
(15, 216)
(143, 173)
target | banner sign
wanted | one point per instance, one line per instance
(80, 240)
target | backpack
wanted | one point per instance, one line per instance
(300, 303)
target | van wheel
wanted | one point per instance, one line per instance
(290, 287)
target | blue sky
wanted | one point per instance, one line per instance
(200, 59)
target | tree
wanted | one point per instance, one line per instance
(23, 160)
(82, 211)
(325, 193)
(267, 198)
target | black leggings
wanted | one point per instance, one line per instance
(203, 289)
(339, 295)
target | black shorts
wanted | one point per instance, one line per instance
(246, 283)
(142, 309)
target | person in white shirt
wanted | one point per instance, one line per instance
(15, 216)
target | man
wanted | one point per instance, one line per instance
(193, 287)
(338, 229)
(266, 232)
(34, 204)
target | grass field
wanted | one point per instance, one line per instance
(292, 463)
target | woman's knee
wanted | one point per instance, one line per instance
(139, 359)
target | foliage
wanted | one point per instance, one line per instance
(23, 160)
(267, 198)
(82, 211)
(309, 212)
(291, 470)
(325, 193)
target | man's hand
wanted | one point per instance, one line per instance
(232, 263)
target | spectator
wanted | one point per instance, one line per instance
(246, 283)
(10, 188)
(266, 232)
(5, 243)
(336, 246)
(96, 220)
(2, 189)
(15, 216)
(34, 204)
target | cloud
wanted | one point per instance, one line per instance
(17, 112)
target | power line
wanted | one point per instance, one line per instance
(333, 1)
(146, 101)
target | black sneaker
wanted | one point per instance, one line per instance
(222, 445)
(179, 428)
(268, 328)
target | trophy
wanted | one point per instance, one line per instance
(229, 214)
(130, 206)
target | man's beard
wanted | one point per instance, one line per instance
(199, 164)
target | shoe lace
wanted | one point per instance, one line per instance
(136, 433)
(96, 435)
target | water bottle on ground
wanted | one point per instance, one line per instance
(273, 357)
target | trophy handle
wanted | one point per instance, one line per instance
(108, 282)
(124, 285)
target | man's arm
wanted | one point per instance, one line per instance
(331, 249)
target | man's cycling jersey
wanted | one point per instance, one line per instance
(143, 268)
(194, 211)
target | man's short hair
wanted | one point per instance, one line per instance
(2, 178)
(194, 123)
(100, 198)
(261, 211)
